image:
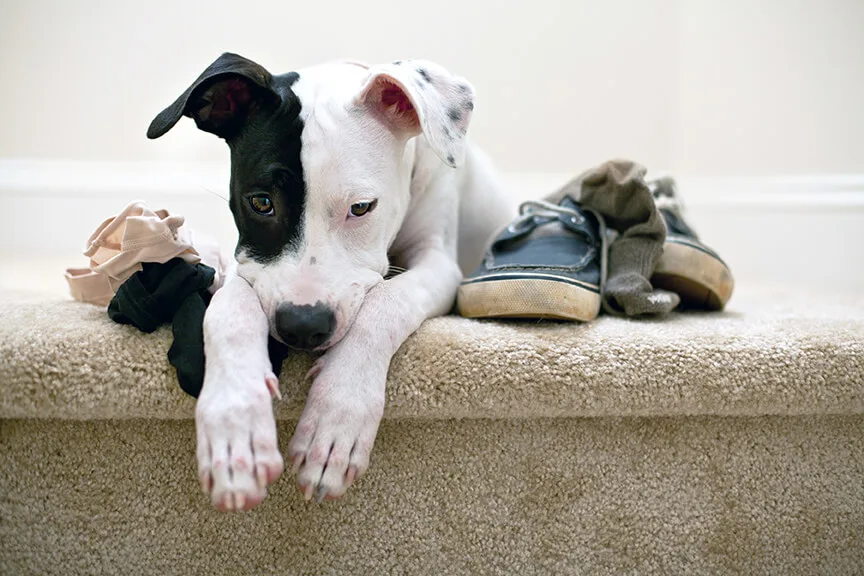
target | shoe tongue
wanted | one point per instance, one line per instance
(676, 225)
(569, 203)
(551, 228)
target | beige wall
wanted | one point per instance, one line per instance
(706, 87)
(770, 86)
(710, 89)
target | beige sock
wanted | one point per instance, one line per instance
(138, 234)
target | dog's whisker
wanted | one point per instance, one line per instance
(395, 271)
(216, 194)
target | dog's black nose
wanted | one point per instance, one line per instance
(305, 327)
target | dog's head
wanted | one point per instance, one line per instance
(320, 175)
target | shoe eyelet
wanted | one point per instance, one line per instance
(577, 221)
(521, 225)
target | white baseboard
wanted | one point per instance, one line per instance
(806, 229)
(82, 179)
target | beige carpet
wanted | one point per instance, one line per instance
(769, 354)
(729, 443)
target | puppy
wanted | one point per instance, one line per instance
(337, 172)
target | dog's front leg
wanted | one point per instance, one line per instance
(237, 451)
(334, 437)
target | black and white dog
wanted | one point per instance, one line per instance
(337, 172)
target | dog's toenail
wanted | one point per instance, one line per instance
(298, 462)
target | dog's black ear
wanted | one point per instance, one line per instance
(220, 99)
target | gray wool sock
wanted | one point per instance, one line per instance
(617, 190)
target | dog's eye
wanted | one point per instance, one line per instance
(262, 204)
(363, 208)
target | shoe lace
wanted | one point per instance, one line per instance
(665, 192)
(541, 209)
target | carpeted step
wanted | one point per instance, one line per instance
(703, 443)
(769, 354)
(705, 495)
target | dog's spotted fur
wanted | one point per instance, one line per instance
(316, 142)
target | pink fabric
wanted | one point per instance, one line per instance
(88, 286)
(138, 234)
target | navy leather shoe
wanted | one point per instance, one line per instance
(688, 267)
(550, 262)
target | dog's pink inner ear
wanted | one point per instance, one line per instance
(234, 96)
(221, 103)
(393, 95)
(394, 105)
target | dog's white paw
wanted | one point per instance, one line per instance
(334, 437)
(238, 456)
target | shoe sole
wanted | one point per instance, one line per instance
(528, 296)
(698, 277)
